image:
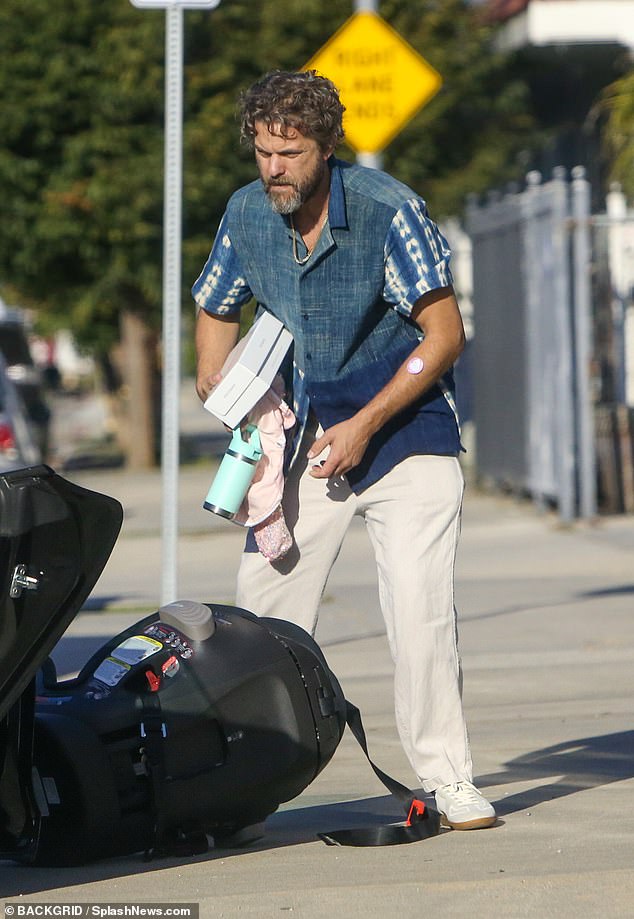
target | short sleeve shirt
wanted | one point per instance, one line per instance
(348, 307)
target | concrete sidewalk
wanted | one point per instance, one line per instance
(547, 640)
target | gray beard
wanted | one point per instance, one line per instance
(290, 204)
(287, 204)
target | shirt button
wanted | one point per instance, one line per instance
(305, 315)
(309, 356)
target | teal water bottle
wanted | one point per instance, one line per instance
(236, 471)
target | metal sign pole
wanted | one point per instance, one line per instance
(371, 160)
(172, 233)
(172, 229)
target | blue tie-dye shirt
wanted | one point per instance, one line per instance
(348, 306)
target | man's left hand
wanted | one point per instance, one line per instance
(348, 441)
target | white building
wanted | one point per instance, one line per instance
(563, 22)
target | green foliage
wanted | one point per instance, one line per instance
(619, 130)
(81, 161)
(475, 132)
(81, 136)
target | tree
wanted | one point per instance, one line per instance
(619, 130)
(81, 148)
(80, 170)
(479, 128)
(475, 132)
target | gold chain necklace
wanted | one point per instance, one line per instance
(309, 252)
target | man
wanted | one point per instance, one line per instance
(349, 261)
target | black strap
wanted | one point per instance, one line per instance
(165, 840)
(153, 732)
(422, 821)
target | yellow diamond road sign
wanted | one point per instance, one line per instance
(382, 80)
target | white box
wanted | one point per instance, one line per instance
(249, 370)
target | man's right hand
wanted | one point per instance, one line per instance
(205, 383)
(215, 337)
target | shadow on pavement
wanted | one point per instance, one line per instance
(103, 454)
(209, 445)
(618, 591)
(585, 763)
(284, 828)
(525, 606)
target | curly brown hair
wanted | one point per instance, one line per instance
(304, 100)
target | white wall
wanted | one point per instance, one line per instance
(546, 22)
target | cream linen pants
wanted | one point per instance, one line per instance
(412, 517)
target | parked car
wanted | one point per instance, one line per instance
(18, 444)
(21, 369)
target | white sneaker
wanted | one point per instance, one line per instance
(463, 807)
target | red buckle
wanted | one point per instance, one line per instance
(170, 666)
(416, 809)
(154, 681)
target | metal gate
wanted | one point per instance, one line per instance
(532, 346)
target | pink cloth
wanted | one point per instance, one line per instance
(273, 418)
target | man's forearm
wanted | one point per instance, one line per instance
(410, 383)
(438, 316)
(215, 337)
